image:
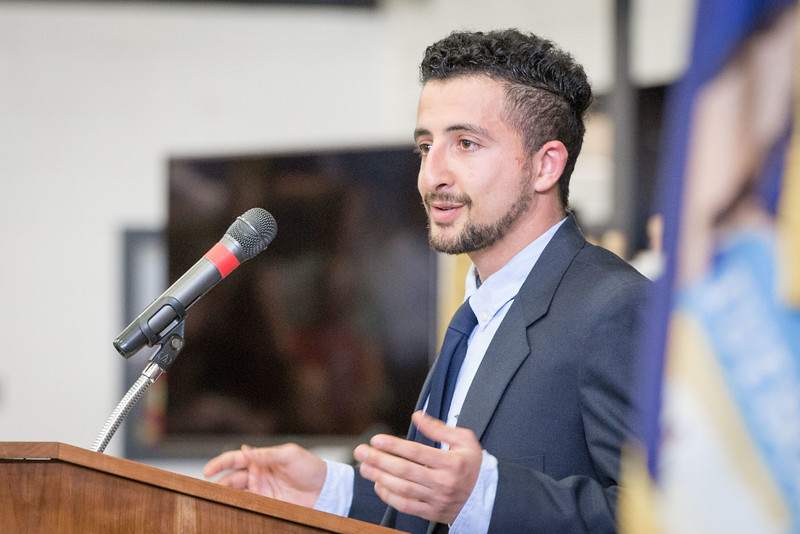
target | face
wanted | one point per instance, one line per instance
(475, 177)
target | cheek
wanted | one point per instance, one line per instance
(492, 185)
(498, 196)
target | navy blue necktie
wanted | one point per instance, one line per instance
(447, 366)
(440, 395)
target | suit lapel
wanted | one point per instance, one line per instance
(509, 347)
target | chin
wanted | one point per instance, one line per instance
(446, 246)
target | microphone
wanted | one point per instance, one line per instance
(251, 233)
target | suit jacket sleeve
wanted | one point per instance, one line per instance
(366, 506)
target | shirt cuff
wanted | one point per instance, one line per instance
(476, 514)
(336, 496)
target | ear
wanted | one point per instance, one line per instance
(552, 158)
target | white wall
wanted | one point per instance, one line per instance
(95, 98)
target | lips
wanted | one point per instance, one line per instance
(444, 207)
(444, 212)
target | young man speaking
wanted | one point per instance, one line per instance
(521, 421)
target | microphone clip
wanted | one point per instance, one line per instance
(171, 345)
(164, 301)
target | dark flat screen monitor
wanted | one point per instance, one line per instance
(323, 337)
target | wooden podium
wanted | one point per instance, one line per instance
(53, 487)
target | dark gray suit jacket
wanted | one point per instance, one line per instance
(552, 398)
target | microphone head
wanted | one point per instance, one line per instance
(253, 231)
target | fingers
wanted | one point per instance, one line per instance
(406, 485)
(278, 454)
(246, 456)
(398, 482)
(241, 459)
(235, 462)
(387, 455)
(395, 447)
(401, 469)
(422, 480)
(419, 506)
(285, 472)
(392, 455)
(235, 479)
(224, 462)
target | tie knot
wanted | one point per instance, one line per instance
(464, 319)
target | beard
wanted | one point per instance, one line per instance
(476, 236)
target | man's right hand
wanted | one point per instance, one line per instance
(286, 472)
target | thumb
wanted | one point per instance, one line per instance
(437, 430)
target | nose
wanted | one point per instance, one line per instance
(434, 171)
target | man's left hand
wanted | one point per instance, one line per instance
(420, 480)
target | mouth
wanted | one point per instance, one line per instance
(442, 206)
(444, 211)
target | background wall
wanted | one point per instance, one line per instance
(95, 97)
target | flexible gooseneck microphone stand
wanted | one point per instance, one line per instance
(166, 354)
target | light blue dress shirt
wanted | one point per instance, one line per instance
(490, 302)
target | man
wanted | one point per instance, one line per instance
(540, 409)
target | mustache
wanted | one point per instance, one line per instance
(451, 198)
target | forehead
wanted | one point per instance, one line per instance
(464, 99)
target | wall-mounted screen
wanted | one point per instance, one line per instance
(324, 336)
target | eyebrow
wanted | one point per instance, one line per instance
(419, 132)
(470, 128)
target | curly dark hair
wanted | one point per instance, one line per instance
(547, 92)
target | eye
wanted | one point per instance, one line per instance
(422, 148)
(467, 144)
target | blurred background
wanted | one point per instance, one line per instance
(122, 123)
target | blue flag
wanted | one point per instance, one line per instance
(720, 431)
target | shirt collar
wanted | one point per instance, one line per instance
(489, 297)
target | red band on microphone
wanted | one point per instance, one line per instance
(222, 258)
